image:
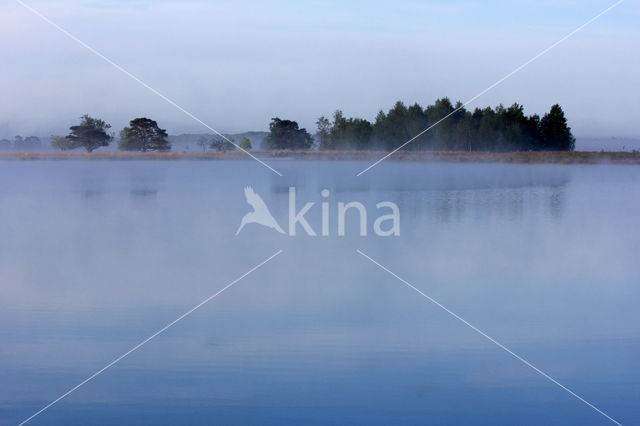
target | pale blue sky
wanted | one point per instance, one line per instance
(236, 64)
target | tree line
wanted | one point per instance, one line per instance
(19, 143)
(454, 128)
(451, 128)
(142, 134)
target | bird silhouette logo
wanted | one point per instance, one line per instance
(260, 213)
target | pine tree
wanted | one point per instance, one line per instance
(554, 132)
(90, 134)
(143, 134)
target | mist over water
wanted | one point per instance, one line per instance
(96, 256)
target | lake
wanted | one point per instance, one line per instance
(95, 257)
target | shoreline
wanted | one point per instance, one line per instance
(560, 157)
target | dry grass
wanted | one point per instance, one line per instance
(446, 156)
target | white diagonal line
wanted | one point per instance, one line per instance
(189, 312)
(492, 86)
(500, 345)
(142, 83)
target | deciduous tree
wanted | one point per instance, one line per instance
(62, 143)
(245, 143)
(285, 134)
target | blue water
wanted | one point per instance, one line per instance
(97, 256)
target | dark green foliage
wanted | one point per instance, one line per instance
(143, 134)
(90, 134)
(440, 136)
(323, 134)
(416, 121)
(343, 133)
(390, 129)
(452, 128)
(555, 134)
(285, 134)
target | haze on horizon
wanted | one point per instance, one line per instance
(236, 65)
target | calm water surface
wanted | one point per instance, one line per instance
(97, 256)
